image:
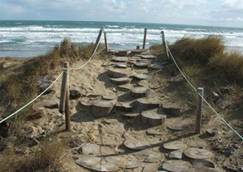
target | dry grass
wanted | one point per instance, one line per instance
(207, 60)
(157, 49)
(46, 158)
(229, 64)
(18, 85)
(207, 63)
(198, 50)
(21, 84)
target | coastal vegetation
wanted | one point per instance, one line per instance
(209, 64)
(205, 61)
(20, 81)
(210, 56)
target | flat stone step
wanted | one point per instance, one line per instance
(94, 149)
(134, 144)
(116, 73)
(125, 87)
(171, 109)
(123, 106)
(119, 59)
(147, 56)
(139, 91)
(134, 59)
(148, 167)
(102, 108)
(179, 125)
(175, 127)
(176, 154)
(176, 166)
(131, 115)
(140, 76)
(152, 117)
(120, 81)
(141, 64)
(150, 156)
(175, 145)
(109, 97)
(154, 132)
(145, 103)
(120, 53)
(196, 153)
(143, 83)
(96, 163)
(120, 65)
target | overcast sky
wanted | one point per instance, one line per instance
(198, 12)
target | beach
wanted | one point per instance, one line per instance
(33, 38)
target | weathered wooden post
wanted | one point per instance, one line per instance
(144, 38)
(164, 43)
(106, 45)
(200, 92)
(64, 99)
(97, 40)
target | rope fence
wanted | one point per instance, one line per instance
(58, 77)
(98, 40)
(168, 51)
(33, 100)
(65, 83)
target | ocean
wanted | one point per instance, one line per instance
(33, 38)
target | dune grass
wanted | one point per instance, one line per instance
(198, 50)
(207, 60)
(21, 84)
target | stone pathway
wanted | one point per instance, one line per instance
(128, 126)
(122, 121)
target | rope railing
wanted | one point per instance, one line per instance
(64, 99)
(58, 77)
(32, 101)
(195, 89)
(98, 40)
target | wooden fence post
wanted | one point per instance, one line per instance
(164, 43)
(64, 99)
(106, 45)
(67, 110)
(97, 40)
(200, 92)
(144, 38)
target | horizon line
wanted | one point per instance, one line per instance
(130, 22)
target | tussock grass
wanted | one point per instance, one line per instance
(198, 50)
(207, 63)
(229, 64)
(207, 59)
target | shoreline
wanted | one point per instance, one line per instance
(33, 38)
